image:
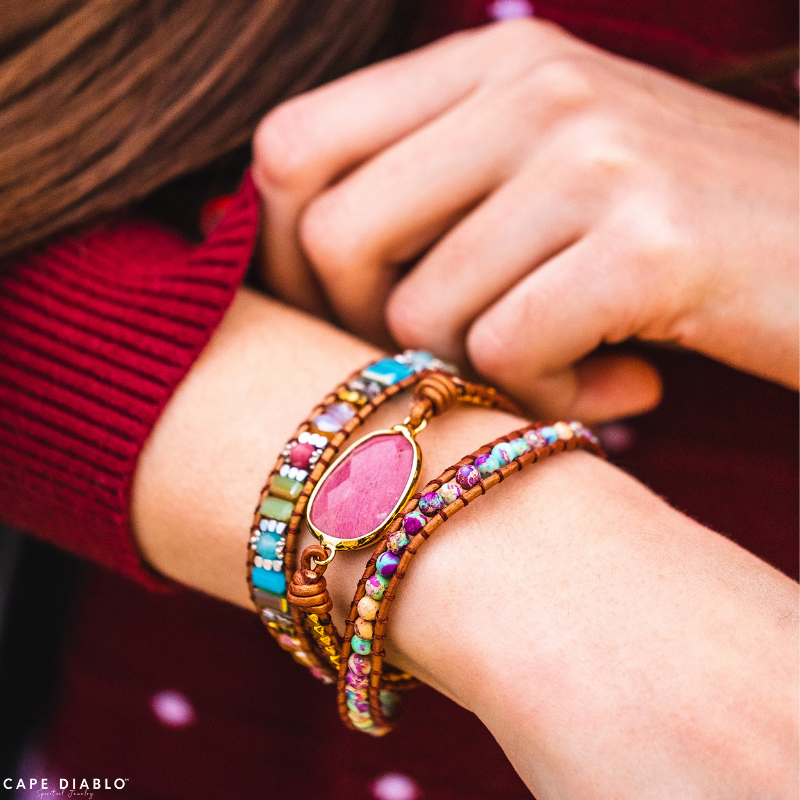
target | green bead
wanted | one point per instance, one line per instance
(361, 646)
(275, 508)
(285, 488)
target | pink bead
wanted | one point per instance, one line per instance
(359, 665)
(300, 455)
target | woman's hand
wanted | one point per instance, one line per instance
(552, 197)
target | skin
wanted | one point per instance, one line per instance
(614, 647)
(550, 197)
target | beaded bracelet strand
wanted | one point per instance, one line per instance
(361, 495)
(364, 701)
(272, 547)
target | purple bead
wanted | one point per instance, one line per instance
(534, 439)
(341, 412)
(360, 665)
(362, 706)
(397, 541)
(387, 564)
(356, 681)
(487, 464)
(468, 476)
(430, 503)
(414, 521)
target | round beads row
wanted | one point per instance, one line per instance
(431, 503)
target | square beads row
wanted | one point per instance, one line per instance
(301, 455)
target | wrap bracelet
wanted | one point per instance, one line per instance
(359, 496)
(364, 699)
(271, 560)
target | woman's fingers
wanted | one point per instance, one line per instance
(523, 223)
(533, 341)
(310, 141)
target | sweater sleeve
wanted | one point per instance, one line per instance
(96, 332)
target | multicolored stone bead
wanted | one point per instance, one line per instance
(361, 646)
(534, 439)
(359, 665)
(368, 608)
(520, 446)
(357, 692)
(376, 586)
(449, 492)
(390, 703)
(362, 706)
(285, 488)
(341, 412)
(414, 521)
(363, 628)
(357, 681)
(267, 544)
(369, 388)
(577, 427)
(504, 453)
(430, 503)
(549, 434)
(387, 564)
(269, 580)
(300, 454)
(468, 476)
(563, 430)
(276, 508)
(387, 371)
(397, 541)
(487, 464)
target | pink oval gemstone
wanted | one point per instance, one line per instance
(362, 491)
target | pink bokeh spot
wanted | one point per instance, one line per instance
(395, 786)
(500, 10)
(173, 709)
(363, 490)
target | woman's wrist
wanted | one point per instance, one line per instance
(598, 633)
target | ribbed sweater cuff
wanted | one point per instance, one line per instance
(95, 334)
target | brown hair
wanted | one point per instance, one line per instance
(102, 101)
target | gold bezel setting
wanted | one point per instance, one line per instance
(334, 543)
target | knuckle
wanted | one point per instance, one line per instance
(280, 146)
(599, 150)
(319, 232)
(489, 346)
(405, 321)
(566, 84)
(657, 238)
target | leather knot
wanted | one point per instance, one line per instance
(309, 589)
(433, 395)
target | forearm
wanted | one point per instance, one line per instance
(613, 647)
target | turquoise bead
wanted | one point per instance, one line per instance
(520, 446)
(361, 646)
(267, 544)
(504, 453)
(549, 434)
(387, 371)
(487, 464)
(269, 580)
